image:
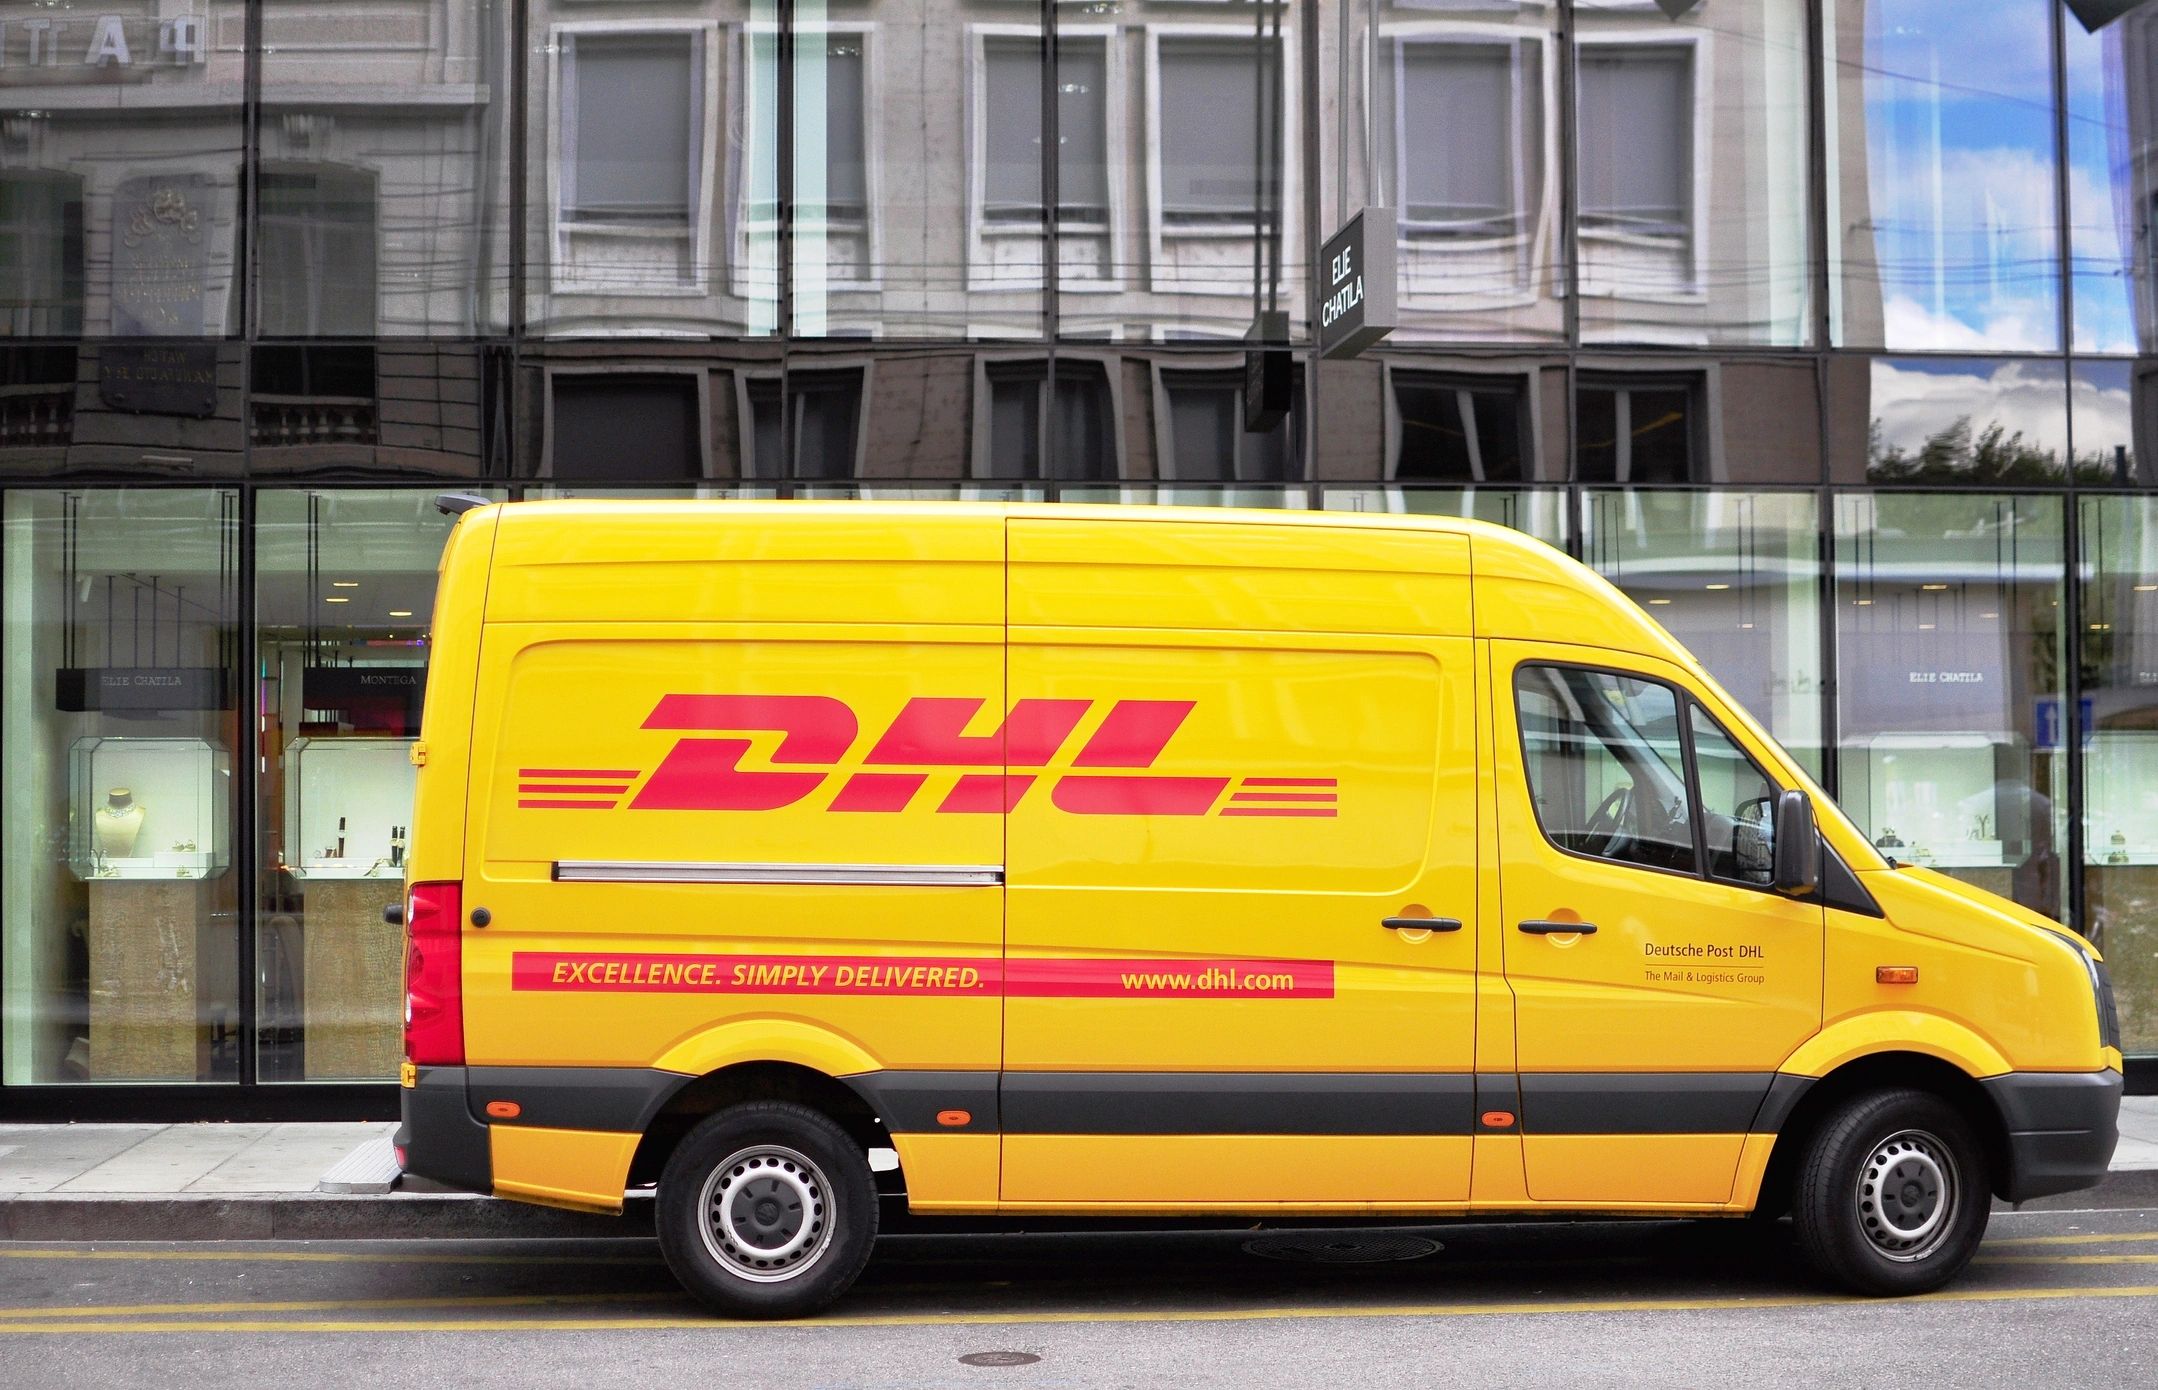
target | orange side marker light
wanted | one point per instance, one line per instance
(1498, 1119)
(504, 1109)
(1895, 974)
(954, 1119)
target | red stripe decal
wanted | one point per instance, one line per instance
(681, 974)
(1289, 782)
(596, 774)
(986, 793)
(573, 788)
(1134, 733)
(1137, 796)
(1274, 811)
(1283, 798)
(971, 976)
(879, 791)
(560, 805)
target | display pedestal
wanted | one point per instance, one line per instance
(144, 1021)
(354, 969)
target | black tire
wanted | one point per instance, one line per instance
(1892, 1194)
(767, 1210)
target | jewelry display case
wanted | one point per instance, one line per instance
(348, 813)
(2120, 798)
(1941, 800)
(148, 808)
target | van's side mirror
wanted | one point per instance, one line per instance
(1798, 846)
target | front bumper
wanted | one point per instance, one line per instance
(2061, 1129)
(438, 1138)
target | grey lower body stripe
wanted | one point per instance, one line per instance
(1641, 1102)
(1237, 1103)
(821, 875)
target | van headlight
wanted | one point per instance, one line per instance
(2109, 1019)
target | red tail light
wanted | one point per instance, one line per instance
(434, 983)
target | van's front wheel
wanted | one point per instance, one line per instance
(1892, 1196)
(767, 1210)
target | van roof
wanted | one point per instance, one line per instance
(1500, 554)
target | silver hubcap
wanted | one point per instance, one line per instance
(1907, 1195)
(767, 1214)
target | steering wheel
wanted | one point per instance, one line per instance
(1608, 829)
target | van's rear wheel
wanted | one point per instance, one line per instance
(1892, 1195)
(767, 1210)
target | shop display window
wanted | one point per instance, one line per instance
(152, 808)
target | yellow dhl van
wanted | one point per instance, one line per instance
(1123, 861)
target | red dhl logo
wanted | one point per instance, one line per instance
(1108, 776)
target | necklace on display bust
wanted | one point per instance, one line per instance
(119, 824)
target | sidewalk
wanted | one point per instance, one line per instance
(326, 1181)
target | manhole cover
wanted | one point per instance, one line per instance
(999, 1358)
(1341, 1249)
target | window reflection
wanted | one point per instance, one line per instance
(1478, 256)
(2119, 569)
(2109, 92)
(1539, 514)
(382, 204)
(121, 141)
(1736, 577)
(1967, 420)
(1943, 192)
(1692, 216)
(1950, 655)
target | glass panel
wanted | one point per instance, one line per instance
(652, 188)
(2110, 194)
(1950, 656)
(1200, 420)
(2119, 569)
(1738, 807)
(1736, 576)
(396, 120)
(617, 425)
(1967, 420)
(1639, 429)
(120, 203)
(1460, 429)
(1942, 207)
(1463, 102)
(1693, 217)
(1606, 770)
(1539, 514)
(2103, 410)
(118, 958)
(344, 591)
(1205, 233)
(402, 405)
(917, 146)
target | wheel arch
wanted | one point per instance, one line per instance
(762, 1079)
(1877, 1071)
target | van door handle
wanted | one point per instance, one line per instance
(1559, 928)
(1421, 923)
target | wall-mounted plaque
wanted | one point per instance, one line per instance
(160, 255)
(159, 378)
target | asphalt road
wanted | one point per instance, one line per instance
(2056, 1298)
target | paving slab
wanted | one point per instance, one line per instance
(169, 1160)
(290, 1158)
(40, 1158)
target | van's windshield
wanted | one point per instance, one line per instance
(1607, 765)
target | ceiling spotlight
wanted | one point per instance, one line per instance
(1933, 588)
(344, 583)
(400, 612)
(1659, 602)
(335, 599)
(1716, 586)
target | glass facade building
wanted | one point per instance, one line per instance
(1824, 328)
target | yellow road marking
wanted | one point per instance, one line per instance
(338, 1305)
(1220, 1315)
(330, 1257)
(2090, 1238)
(2068, 1259)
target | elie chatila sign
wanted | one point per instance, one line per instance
(140, 689)
(1356, 284)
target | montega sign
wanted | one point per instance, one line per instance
(1356, 284)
